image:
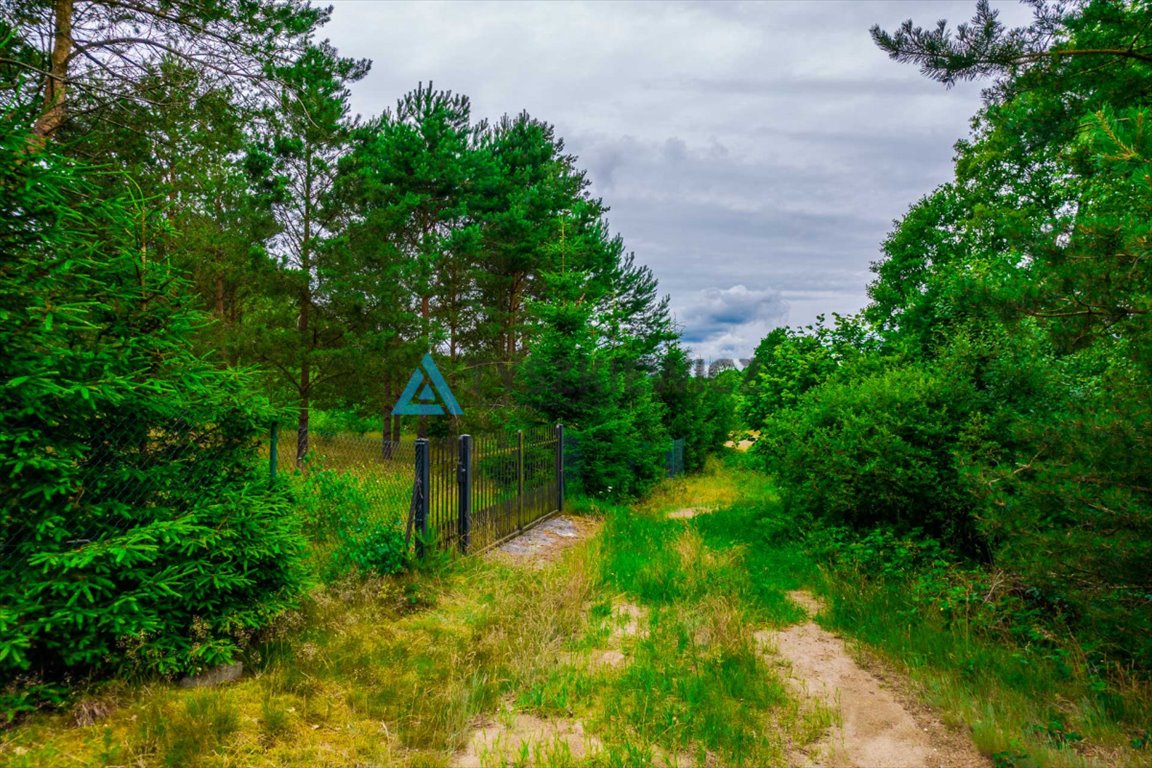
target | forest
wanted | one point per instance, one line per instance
(199, 240)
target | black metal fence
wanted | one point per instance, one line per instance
(462, 494)
(674, 458)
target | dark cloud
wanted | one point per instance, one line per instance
(725, 320)
(753, 154)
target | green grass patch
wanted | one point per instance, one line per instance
(1029, 696)
(643, 634)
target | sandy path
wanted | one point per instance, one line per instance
(545, 542)
(881, 727)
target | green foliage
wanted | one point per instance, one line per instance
(788, 363)
(137, 531)
(880, 451)
(699, 410)
(997, 396)
(351, 532)
(329, 423)
(598, 382)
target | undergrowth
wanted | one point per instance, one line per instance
(995, 656)
(644, 635)
(399, 671)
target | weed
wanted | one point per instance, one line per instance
(275, 719)
(1010, 758)
(1056, 732)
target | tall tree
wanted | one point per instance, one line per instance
(300, 150)
(529, 210)
(187, 155)
(402, 191)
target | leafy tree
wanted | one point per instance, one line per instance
(1011, 311)
(788, 363)
(881, 451)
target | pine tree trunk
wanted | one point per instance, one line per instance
(220, 311)
(302, 432)
(304, 328)
(56, 82)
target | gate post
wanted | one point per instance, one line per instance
(519, 478)
(423, 477)
(560, 467)
(273, 458)
(464, 492)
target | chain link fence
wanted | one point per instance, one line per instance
(461, 494)
(674, 458)
(356, 493)
(124, 476)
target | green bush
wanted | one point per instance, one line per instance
(137, 530)
(622, 455)
(1070, 511)
(881, 451)
(349, 530)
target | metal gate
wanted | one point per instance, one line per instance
(472, 493)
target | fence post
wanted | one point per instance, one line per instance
(560, 467)
(423, 478)
(519, 478)
(464, 481)
(272, 454)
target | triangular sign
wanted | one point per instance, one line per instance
(426, 380)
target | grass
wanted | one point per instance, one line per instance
(1024, 706)
(398, 671)
(642, 634)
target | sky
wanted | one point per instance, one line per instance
(753, 154)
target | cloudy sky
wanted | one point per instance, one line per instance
(753, 154)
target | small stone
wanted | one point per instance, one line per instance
(213, 677)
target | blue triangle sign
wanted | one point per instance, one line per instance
(429, 383)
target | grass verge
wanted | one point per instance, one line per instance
(1026, 705)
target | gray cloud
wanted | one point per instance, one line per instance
(765, 147)
(721, 322)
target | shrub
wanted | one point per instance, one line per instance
(350, 530)
(137, 530)
(877, 452)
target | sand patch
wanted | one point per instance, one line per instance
(811, 604)
(687, 513)
(878, 726)
(610, 658)
(545, 542)
(593, 661)
(520, 739)
(746, 442)
(629, 621)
